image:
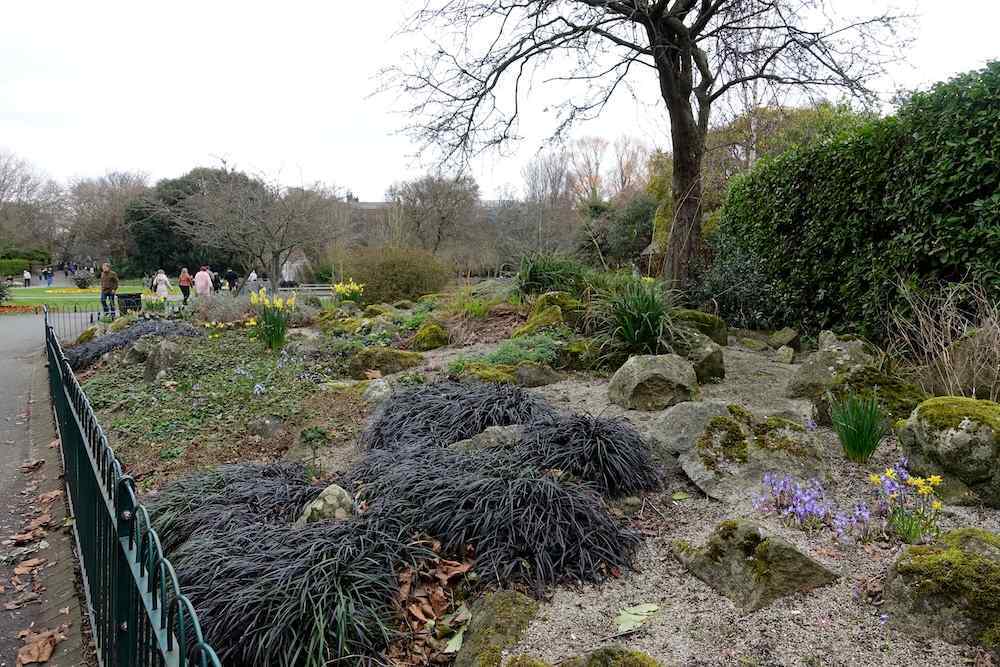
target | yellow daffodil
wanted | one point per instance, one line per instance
(915, 481)
(254, 299)
(252, 322)
(279, 303)
(936, 505)
(934, 480)
(925, 490)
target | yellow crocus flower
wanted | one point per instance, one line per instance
(934, 480)
(890, 473)
(874, 479)
(936, 505)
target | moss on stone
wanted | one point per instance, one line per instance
(948, 412)
(484, 372)
(547, 318)
(430, 336)
(123, 322)
(958, 567)
(567, 303)
(895, 396)
(741, 413)
(578, 354)
(499, 621)
(343, 325)
(386, 360)
(723, 440)
(87, 335)
(526, 661)
(377, 309)
(706, 323)
(617, 656)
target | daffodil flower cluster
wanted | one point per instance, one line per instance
(271, 321)
(908, 502)
(348, 290)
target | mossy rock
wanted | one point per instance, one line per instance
(386, 360)
(346, 326)
(750, 567)
(949, 589)
(123, 322)
(543, 320)
(754, 345)
(572, 308)
(486, 372)
(526, 661)
(612, 656)
(712, 326)
(896, 396)
(430, 336)
(404, 305)
(579, 354)
(87, 335)
(377, 309)
(724, 440)
(959, 438)
(499, 621)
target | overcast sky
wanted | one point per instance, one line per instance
(285, 88)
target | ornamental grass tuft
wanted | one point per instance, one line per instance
(443, 413)
(606, 452)
(860, 424)
(633, 317)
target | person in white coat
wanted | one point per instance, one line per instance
(161, 284)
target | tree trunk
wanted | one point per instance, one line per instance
(685, 231)
(275, 271)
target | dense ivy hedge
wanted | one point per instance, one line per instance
(836, 224)
(13, 267)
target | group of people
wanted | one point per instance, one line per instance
(47, 275)
(205, 282)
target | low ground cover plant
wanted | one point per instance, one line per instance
(537, 349)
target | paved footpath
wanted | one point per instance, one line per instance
(37, 577)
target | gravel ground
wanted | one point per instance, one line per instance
(834, 625)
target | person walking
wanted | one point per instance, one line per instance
(161, 284)
(203, 283)
(109, 286)
(184, 281)
(231, 278)
(27, 278)
(50, 276)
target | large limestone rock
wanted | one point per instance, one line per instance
(377, 391)
(334, 503)
(959, 438)
(162, 356)
(710, 325)
(897, 397)
(678, 428)
(948, 590)
(653, 382)
(140, 349)
(494, 437)
(751, 568)
(787, 337)
(704, 354)
(732, 454)
(836, 357)
(499, 621)
(529, 374)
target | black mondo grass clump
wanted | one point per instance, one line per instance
(446, 412)
(283, 596)
(228, 498)
(87, 354)
(607, 452)
(525, 526)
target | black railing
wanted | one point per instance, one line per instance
(138, 615)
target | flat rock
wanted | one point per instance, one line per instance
(334, 503)
(653, 382)
(677, 429)
(750, 567)
(787, 337)
(784, 355)
(499, 621)
(822, 369)
(535, 375)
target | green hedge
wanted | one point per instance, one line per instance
(13, 267)
(836, 224)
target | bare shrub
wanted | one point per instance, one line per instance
(951, 337)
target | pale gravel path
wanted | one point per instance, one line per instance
(695, 625)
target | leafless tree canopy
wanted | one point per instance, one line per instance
(436, 208)
(468, 87)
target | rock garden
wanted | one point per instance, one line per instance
(562, 468)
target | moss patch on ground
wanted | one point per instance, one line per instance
(430, 336)
(543, 320)
(386, 360)
(613, 656)
(706, 323)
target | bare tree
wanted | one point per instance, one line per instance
(471, 83)
(262, 221)
(98, 224)
(545, 222)
(629, 166)
(435, 208)
(588, 161)
(32, 208)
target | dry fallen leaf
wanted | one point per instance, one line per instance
(54, 444)
(40, 521)
(39, 647)
(48, 497)
(373, 374)
(29, 466)
(20, 601)
(28, 566)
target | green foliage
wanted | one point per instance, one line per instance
(550, 273)
(4, 291)
(83, 279)
(391, 274)
(633, 319)
(273, 315)
(860, 424)
(833, 224)
(13, 267)
(537, 349)
(630, 228)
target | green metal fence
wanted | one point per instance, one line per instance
(138, 615)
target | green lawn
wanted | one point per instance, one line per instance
(69, 296)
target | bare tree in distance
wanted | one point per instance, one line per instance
(629, 166)
(587, 158)
(468, 87)
(97, 206)
(262, 221)
(436, 207)
(32, 207)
